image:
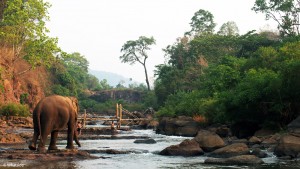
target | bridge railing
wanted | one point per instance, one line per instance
(117, 118)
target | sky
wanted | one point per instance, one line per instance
(98, 29)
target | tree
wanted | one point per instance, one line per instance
(104, 85)
(23, 31)
(202, 22)
(284, 12)
(229, 29)
(135, 51)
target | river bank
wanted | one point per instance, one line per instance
(103, 149)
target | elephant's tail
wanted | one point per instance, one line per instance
(37, 118)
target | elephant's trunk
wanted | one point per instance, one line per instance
(76, 138)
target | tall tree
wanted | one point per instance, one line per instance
(284, 12)
(135, 51)
(229, 29)
(202, 22)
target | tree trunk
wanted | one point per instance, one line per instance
(146, 75)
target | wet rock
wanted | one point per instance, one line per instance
(209, 141)
(258, 153)
(113, 151)
(145, 141)
(231, 150)
(240, 141)
(273, 139)
(289, 145)
(236, 160)
(264, 133)
(56, 155)
(185, 148)
(254, 140)
(152, 124)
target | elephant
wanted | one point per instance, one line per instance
(51, 115)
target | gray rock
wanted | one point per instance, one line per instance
(258, 153)
(145, 141)
(236, 160)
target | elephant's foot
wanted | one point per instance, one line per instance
(42, 150)
(70, 147)
(52, 147)
(31, 146)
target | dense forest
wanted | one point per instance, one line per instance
(213, 76)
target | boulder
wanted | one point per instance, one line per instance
(231, 150)
(185, 148)
(237, 160)
(289, 145)
(187, 131)
(273, 139)
(180, 126)
(258, 153)
(254, 140)
(209, 141)
(264, 132)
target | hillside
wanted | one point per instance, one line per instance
(113, 79)
(18, 84)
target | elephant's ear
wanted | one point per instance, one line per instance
(74, 102)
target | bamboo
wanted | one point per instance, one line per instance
(117, 110)
(84, 118)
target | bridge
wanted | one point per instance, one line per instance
(118, 118)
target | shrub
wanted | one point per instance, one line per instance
(13, 109)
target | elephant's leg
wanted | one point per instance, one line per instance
(44, 134)
(71, 131)
(52, 145)
(32, 143)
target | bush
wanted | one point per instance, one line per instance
(13, 109)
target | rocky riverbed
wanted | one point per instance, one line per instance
(213, 143)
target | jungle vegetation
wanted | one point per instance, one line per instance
(220, 75)
(226, 77)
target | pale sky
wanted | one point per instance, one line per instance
(97, 29)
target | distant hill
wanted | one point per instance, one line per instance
(113, 79)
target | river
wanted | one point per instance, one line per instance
(144, 156)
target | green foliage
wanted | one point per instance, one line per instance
(13, 109)
(24, 98)
(229, 79)
(202, 23)
(284, 12)
(150, 100)
(23, 28)
(60, 90)
(229, 29)
(104, 85)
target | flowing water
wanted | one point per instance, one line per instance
(143, 156)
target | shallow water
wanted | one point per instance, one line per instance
(144, 157)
